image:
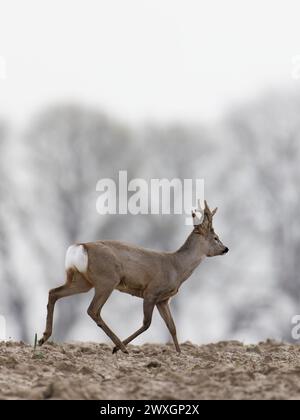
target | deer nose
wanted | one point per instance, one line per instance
(226, 250)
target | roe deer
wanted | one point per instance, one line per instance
(151, 275)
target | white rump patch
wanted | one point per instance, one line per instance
(77, 257)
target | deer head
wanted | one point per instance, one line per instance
(204, 227)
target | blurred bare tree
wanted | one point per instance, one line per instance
(250, 163)
(267, 138)
(69, 149)
(13, 301)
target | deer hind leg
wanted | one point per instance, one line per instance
(148, 312)
(75, 284)
(94, 311)
(165, 312)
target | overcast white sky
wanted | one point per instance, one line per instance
(145, 59)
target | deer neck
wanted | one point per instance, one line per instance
(189, 257)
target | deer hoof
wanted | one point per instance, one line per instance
(116, 349)
(44, 339)
(41, 342)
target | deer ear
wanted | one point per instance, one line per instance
(199, 206)
(214, 211)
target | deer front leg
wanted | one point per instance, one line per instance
(165, 312)
(148, 312)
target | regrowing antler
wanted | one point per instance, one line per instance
(207, 215)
